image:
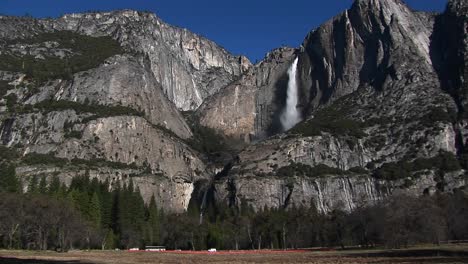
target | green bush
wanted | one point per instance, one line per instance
(436, 114)
(4, 87)
(330, 120)
(11, 101)
(377, 142)
(165, 130)
(206, 140)
(80, 108)
(74, 134)
(39, 159)
(444, 162)
(8, 154)
(303, 170)
(50, 159)
(98, 111)
(358, 170)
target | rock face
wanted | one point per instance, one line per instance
(121, 80)
(159, 163)
(187, 66)
(325, 194)
(382, 92)
(122, 115)
(373, 93)
(249, 108)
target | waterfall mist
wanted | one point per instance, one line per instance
(291, 116)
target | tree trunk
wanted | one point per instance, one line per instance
(192, 241)
(11, 235)
(250, 237)
(284, 236)
(44, 241)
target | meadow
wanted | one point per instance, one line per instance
(447, 254)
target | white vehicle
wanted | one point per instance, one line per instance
(212, 250)
(155, 248)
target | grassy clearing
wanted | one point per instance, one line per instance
(124, 257)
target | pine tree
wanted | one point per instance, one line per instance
(54, 185)
(32, 187)
(62, 191)
(106, 210)
(80, 200)
(42, 188)
(153, 222)
(95, 210)
(95, 187)
(110, 240)
(115, 210)
(138, 212)
(8, 180)
(131, 188)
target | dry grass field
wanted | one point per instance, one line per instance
(125, 257)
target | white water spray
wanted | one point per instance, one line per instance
(291, 116)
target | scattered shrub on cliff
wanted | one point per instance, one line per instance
(444, 161)
(376, 142)
(358, 170)
(304, 170)
(37, 159)
(437, 114)
(73, 134)
(4, 87)
(377, 121)
(8, 180)
(330, 120)
(98, 111)
(50, 159)
(7, 154)
(89, 52)
(165, 130)
(80, 108)
(206, 140)
(11, 101)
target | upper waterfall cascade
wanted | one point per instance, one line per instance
(291, 115)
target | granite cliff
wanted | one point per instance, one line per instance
(382, 91)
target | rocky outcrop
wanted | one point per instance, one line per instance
(366, 46)
(172, 194)
(188, 67)
(158, 163)
(326, 193)
(122, 80)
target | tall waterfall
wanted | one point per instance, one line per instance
(291, 116)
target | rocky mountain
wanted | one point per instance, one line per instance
(121, 109)
(188, 66)
(381, 91)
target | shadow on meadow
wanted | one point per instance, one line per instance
(38, 261)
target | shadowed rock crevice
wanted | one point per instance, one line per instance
(6, 130)
(279, 102)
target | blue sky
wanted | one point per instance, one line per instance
(249, 27)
